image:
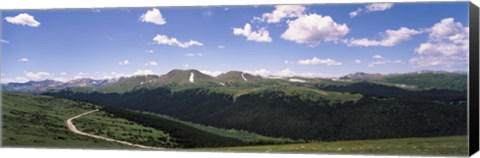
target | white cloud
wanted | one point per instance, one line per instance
(355, 13)
(23, 19)
(378, 7)
(23, 60)
(153, 16)
(125, 62)
(61, 79)
(63, 73)
(447, 46)
(151, 63)
(211, 73)
(143, 72)
(261, 72)
(383, 62)
(163, 39)
(113, 75)
(95, 10)
(4, 41)
(16, 80)
(261, 35)
(79, 75)
(397, 61)
(186, 65)
(220, 46)
(313, 29)
(390, 38)
(377, 57)
(289, 73)
(372, 64)
(281, 12)
(316, 61)
(37, 76)
(286, 73)
(371, 8)
(190, 54)
(149, 51)
(193, 54)
(357, 61)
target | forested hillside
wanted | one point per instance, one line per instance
(382, 112)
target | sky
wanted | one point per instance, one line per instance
(324, 40)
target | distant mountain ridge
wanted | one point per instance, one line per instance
(421, 79)
(36, 87)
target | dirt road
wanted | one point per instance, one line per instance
(74, 129)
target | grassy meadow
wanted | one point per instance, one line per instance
(449, 145)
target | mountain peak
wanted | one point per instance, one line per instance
(238, 76)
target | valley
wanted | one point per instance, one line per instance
(238, 111)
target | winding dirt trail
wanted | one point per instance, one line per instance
(74, 129)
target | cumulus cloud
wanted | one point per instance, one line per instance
(378, 7)
(153, 16)
(125, 62)
(15, 80)
(313, 29)
(23, 19)
(23, 60)
(149, 51)
(289, 73)
(4, 41)
(288, 62)
(377, 57)
(211, 73)
(113, 75)
(355, 13)
(193, 54)
(143, 72)
(163, 39)
(36, 76)
(281, 12)
(261, 35)
(371, 8)
(220, 46)
(151, 63)
(447, 46)
(286, 73)
(372, 64)
(261, 72)
(383, 62)
(357, 61)
(317, 61)
(390, 38)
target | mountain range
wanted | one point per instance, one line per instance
(355, 106)
(415, 80)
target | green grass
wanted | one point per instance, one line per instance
(422, 81)
(39, 121)
(104, 124)
(449, 145)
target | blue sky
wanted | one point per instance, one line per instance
(328, 40)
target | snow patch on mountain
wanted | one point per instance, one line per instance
(297, 80)
(244, 78)
(191, 79)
